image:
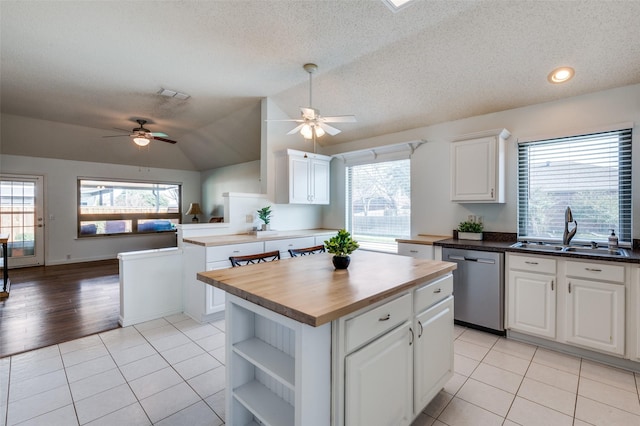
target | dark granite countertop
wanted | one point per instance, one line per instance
(503, 242)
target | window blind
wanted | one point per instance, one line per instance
(590, 173)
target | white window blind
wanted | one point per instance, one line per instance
(379, 203)
(590, 173)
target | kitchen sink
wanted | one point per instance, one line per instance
(552, 247)
(597, 251)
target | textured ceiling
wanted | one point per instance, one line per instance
(99, 64)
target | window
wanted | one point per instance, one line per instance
(379, 203)
(590, 173)
(119, 207)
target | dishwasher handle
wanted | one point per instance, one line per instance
(472, 259)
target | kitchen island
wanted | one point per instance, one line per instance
(310, 345)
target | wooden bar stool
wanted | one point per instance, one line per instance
(307, 250)
(269, 256)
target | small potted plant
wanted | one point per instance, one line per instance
(470, 230)
(341, 246)
(265, 216)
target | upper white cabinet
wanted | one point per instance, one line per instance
(478, 167)
(302, 178)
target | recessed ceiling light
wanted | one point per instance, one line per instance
(561, 75)
(396, 5)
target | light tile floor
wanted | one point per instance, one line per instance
(171, 372)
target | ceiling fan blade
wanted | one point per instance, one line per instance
(340, 119)
(157, 138)
(298, 120)
(162, 135)
(297, 129)
(329, 129)
(115, 136)
(309, 113)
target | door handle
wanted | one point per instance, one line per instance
(421, 329)
(411, 341)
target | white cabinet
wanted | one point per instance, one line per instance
(284, 245)
(394, 357)
(595, 307)
(419, 251)
(378, 381)
(203, 302)
(302, 178)
(531, 301)
(477, 164)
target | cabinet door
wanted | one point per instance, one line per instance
(298, 180)
(473, 170)
(214, 299)
(319, 182)
(433, 352)
(532, 303)
(378, 381)
(595, 315)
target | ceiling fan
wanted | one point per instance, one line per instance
(142, 136)
(312, 124)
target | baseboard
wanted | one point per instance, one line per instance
(137, 320)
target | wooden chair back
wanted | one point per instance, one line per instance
(254, 258)
(307, 250)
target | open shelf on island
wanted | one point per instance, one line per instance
(266, 406)
(274, 362)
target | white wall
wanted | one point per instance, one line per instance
(431, 210)
(60, 203)
(243, 177)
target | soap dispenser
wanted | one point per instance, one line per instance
(613, 241)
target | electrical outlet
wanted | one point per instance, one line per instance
(249, 218)
(68, 257)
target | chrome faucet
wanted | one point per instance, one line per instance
(568, 235)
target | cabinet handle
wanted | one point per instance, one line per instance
(236, 251)
(385, 318)
(421, 329)
(593, 269)
(551, 285)
(411, 341)
(437, 290)
(529, 262)
(413, 251)
(569, 286)
(491, 192)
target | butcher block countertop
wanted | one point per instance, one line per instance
(424, 239)
(221, 240)
(309, 290)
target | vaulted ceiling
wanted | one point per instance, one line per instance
(100, 65)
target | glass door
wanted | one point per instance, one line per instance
(21, 216)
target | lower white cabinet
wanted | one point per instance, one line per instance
(378, 381)
(419, 251)
(532, 303)
(395, 356)
(433, 363)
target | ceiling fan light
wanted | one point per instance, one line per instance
(306, 131)
(141, 141)
(319, 131)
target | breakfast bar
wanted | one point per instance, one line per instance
(311, 345)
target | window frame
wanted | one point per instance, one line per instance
(624, 173)
(135, 218)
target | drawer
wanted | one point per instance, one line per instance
(216, 253)
(433, 292)
(533, 264)
(419, 251)
(596, 271)
(368, 325)
(218, 264)
(289, 243)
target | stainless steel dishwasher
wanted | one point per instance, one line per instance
(478, 288)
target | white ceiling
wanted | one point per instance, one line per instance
(101, 64)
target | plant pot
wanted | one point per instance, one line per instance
(265, 227)
(475, 236)
(341, 262)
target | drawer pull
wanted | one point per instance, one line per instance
(528, 262)
(413, 251)
(593, 269)
(437, 290)
(236, 251)
(385, 318)
(421, 329)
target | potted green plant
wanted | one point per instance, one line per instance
(341, 246)
(265, 216)
(470, 230)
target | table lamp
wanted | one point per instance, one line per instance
(194, 209)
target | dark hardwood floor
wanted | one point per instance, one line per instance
(53, 304)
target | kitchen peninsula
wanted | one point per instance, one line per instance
(310, 345)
